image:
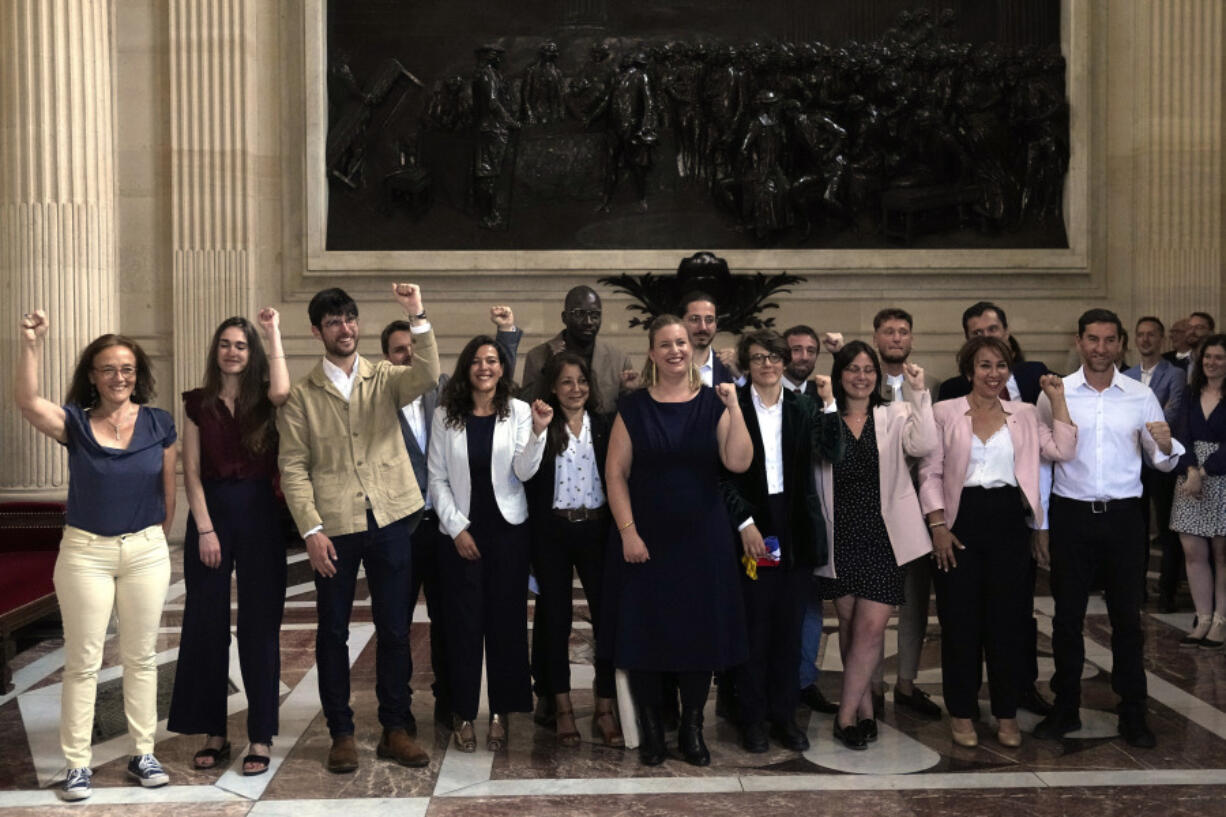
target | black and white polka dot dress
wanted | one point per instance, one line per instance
(863, 558)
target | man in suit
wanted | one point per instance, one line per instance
(986, 318)
(581, 318)
(804, 346)
(698, 311)
(1168, 383)
(397, 343)
(1181, 350)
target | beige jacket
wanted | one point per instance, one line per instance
(336, 455)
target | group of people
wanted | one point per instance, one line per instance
(709, 504)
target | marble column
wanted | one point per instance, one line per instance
(1179, 66)
(210, 91)
(57, 207)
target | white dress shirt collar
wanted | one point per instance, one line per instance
(343, 382)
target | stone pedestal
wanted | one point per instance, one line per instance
(57, 206)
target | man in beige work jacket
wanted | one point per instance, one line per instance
(349, 484)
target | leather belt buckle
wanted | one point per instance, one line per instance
(1098, 505)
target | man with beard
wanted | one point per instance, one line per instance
(581, 317)
(350, 487)
(698, 312)
(892, 337)
(804, 347)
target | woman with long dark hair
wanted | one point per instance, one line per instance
(484, 445)
(229, 467)
(873, 520)
(113, 555)
(570, 529)
(1199, 510)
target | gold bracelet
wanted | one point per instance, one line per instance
(932, 525)
(628, 524)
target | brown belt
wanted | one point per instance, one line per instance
(582, 514)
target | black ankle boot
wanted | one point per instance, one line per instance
(652, 750)
(689, 738)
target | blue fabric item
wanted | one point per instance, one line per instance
(113, 491)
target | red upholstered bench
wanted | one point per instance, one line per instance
(30, 535)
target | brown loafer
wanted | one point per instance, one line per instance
(343, 757)
(398, 746)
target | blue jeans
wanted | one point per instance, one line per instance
(387, 554)
(810, 637)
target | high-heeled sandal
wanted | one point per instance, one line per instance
(464, 733)
(496, 741)
(566, 717)
(605, 725)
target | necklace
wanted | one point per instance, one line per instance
(117, 426)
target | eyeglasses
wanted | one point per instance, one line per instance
(761, 360)
(709, 320)
(584, 314)
(110, 372)
(332, 323)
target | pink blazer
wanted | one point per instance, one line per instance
(943, 471)
(904, 429)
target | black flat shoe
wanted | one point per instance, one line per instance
(1056, 725)
(813, 698)
(218, 756)
(1031, 700)
(753, 739)
(850, 736)
(918, 701)
(789, 736)
(868, 728)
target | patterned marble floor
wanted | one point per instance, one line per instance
(913, 769)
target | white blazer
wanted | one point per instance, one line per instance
(516, 456)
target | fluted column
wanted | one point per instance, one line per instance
(57, 205)
(210, 150)
(1181, 80)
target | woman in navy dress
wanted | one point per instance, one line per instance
(678, 606)
(229, 470)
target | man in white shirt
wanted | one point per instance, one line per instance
(1097, 526)
(699, 313)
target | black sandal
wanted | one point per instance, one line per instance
(262, 760)
(218, 756)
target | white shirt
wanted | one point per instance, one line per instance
(790, 386)
(991, 463)
(415, 415)
(343, 382)
(1111, 438)
(770, 423)
(707, 370)
(1014, 392)
(576, 478)
(1147, 374)
(895, 381)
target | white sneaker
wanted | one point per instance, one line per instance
(148, 771)
(77, 786)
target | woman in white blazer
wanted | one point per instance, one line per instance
(483, 446)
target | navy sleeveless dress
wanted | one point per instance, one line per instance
(681, 610)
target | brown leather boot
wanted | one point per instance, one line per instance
(343, 756)
(397, 745)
